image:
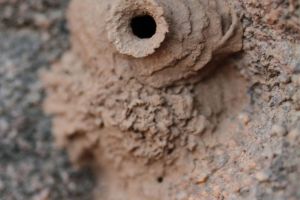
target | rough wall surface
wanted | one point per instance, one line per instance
(33, 34)
(201, 125)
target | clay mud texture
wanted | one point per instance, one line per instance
(203, 104)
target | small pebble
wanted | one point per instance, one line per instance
(244, 118)
(202, 177)
(262, 176)
(294, 135)
(278, 130)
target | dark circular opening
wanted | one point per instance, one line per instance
(160, 179)
(143, 26)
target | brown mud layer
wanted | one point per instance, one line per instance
(148, 97)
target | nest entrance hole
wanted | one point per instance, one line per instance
(143, 26)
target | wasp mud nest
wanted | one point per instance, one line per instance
(127, 94)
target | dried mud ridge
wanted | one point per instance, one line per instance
(157, 111)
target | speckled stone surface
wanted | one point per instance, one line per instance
(33, 34)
